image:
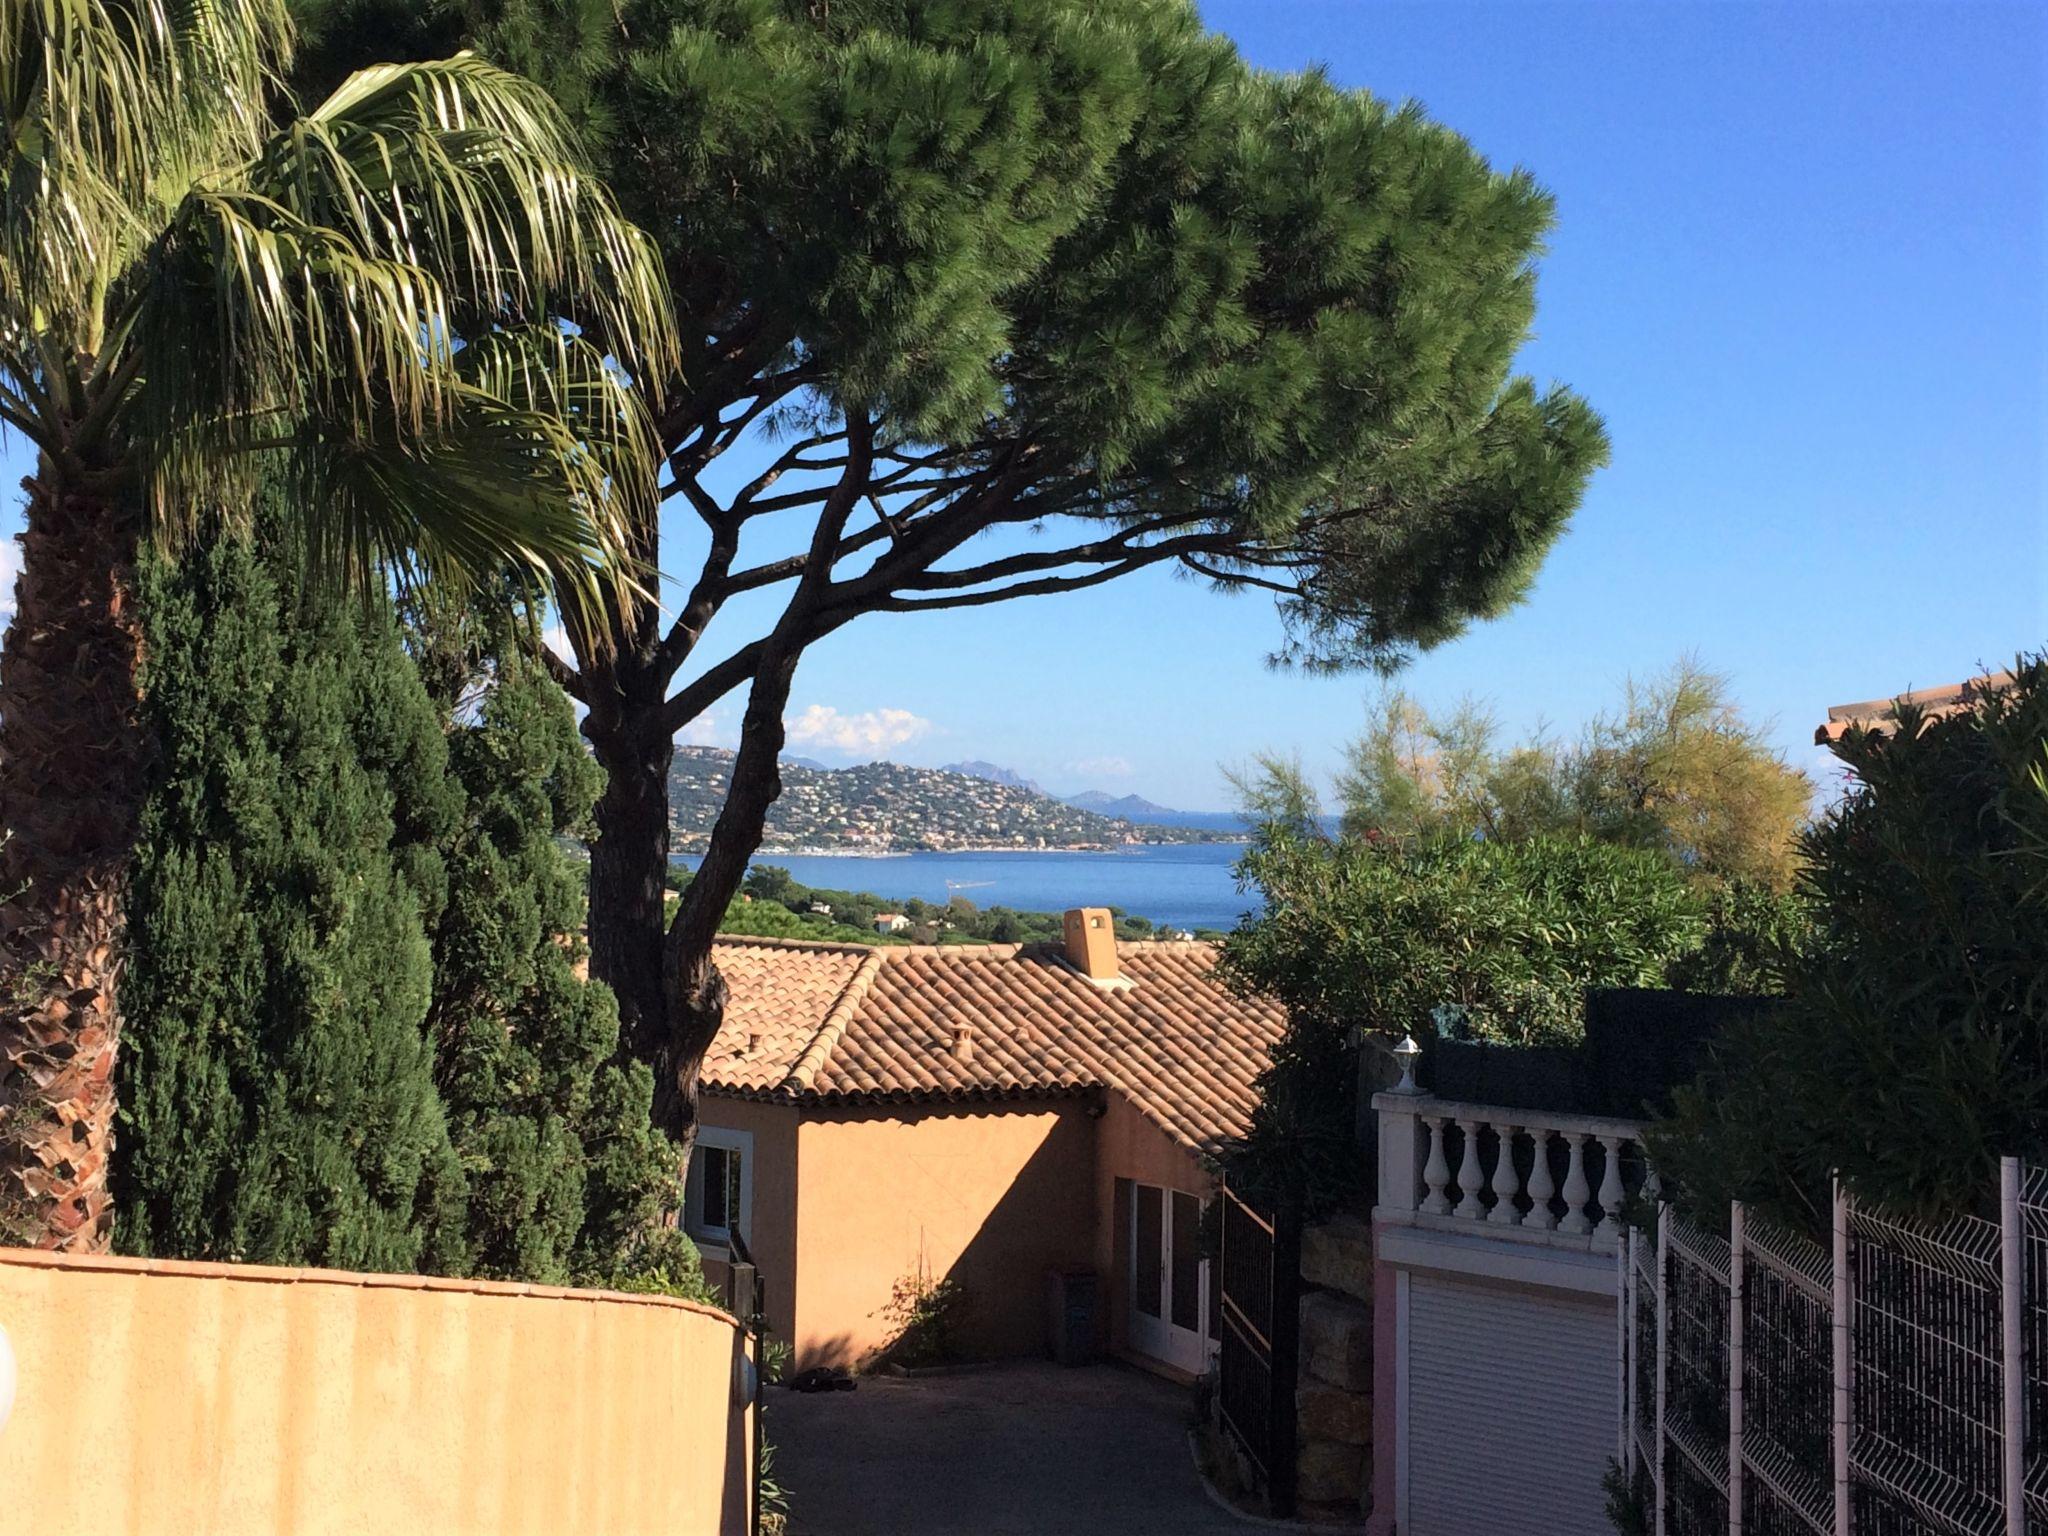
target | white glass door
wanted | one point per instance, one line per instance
(1169, 1279)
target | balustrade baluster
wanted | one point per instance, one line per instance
(1576, 1190)
(1436, 1173)
(1506, 1183)
(1542, 1187)
(1470, 1179)
(1610, 1189)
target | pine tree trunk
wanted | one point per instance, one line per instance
(628, 892)
(694, 991)
(72, 770)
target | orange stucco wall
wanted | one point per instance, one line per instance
(990, 1195)
(162, 1397)
(1131, 1147)
(772, 1237)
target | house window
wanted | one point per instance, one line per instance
(719, 1194)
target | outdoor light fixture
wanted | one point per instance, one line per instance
(1406, 1054)
(6, 1378)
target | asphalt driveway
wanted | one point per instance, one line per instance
(1027, 1449)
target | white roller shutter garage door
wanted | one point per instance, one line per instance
(1512, 1406)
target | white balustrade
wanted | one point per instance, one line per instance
(1437, 1174)
(1470, 1180)
(1419, 1184)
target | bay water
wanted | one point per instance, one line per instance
(1185, 885)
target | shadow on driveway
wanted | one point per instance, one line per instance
(1025, 1449)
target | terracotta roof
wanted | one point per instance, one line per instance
(1882, 715)
(841, 1023)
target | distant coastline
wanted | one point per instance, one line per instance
(1181, 885)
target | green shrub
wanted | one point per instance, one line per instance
(1914, 1050)
(1505, 938)
(924, 1313)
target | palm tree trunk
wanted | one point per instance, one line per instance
(72, 769)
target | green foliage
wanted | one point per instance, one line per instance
(1630, 1496)
(1256, 309)
(357, 1033)
(1379, 934)
(660, 1261)
(1754, 935)
(1914, 1050)
(924, 1313)
(277, 1087)
(1376, 934)
(1676, 768)
(564, 1165)
(203, 282)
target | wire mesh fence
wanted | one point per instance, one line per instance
(2034, 1331)
(1924, 1413)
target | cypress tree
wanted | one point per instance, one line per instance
(566, 1171)
(360, 1032)
(278, 1091)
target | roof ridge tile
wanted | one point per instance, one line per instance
(833, 1028)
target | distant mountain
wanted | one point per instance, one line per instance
(995, 774)
(1105, 804)
(888, 808)
(1148, 813)
(805, 762)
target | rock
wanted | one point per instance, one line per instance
(1338, 1254)
(1324, 1412)
(1328, 1473)
(1336, 1340)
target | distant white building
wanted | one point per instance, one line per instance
(822, 908)
(890, 922)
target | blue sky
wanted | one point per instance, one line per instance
(1799, 267)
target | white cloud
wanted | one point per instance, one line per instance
(707, 730)
(1102, 767)
(873, 730)
(10, 568)
(556, 639)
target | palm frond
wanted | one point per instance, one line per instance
(499, 486)
(252, 314)
(111, 108)
(459, 166)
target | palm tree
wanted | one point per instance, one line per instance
(382, 304)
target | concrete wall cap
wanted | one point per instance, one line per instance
(276, 1274)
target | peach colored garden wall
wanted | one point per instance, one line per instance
(165, 1397)
(991, 1196)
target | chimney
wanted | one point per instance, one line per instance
(1091, 943)
(963, 1042)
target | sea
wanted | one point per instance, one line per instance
(1184, 885)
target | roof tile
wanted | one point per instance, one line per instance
(847, 1023)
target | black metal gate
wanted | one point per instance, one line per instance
(746, 1297)
(1261, 1306)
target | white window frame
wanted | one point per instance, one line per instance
(714, 1241)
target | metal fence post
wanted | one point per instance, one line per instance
(1663, 1350)
(1844, 1321)
(1624, 1292)
(1737, 1227)
(2012, 1346)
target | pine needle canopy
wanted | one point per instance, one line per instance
(411, 302)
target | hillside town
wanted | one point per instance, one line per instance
(890, 808)
(1560, 1071)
